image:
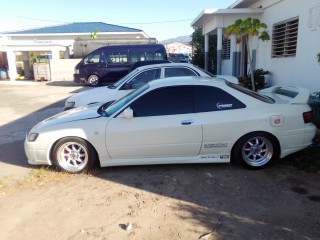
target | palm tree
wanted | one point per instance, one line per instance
(249, 27)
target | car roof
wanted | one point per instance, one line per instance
(166, 65)
(188, 80)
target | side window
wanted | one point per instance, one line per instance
(144, 77)
(209, 99)
(133, 58)
(165, 101)
(179, 71)
(92, 58)
(116, 57)
(158, 56)
(149, 56)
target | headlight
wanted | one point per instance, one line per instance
(32, 137)
(76, 71)
(69, 105)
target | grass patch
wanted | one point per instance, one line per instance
(38, 176)
(3, 187)
(44, 175)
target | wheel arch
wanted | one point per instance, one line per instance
(58, 139)
(273, 138)
(92, 73)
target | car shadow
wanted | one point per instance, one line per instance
(230, 201)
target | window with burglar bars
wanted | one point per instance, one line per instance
(226, 49)
(284, 38)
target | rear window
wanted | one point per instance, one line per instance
(250, 93)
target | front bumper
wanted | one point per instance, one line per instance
(78, 79)
(35, 154)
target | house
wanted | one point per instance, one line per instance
(290, 54)
(56, 43)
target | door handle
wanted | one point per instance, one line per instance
(187, 122)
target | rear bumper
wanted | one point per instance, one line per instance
(298, 140)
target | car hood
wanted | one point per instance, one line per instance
(101, 94)
(76, 114)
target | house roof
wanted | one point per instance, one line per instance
(74, 28)
(242, 3)
(207, 14)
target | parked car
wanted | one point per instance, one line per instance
(110, 63)
(144, 63)
(178, 57)
(134, 80)
(177, 120)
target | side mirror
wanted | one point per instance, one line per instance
(127, 113)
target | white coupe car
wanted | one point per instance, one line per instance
(136, 79)
(177, 120)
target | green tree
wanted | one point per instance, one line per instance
(250, 27)
(198, 46)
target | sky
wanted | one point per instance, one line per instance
(162, 19)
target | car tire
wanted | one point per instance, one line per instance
(256, 150)
(73, 155)
(94, 80)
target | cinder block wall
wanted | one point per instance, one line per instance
(63, 69)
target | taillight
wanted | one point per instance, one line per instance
(307, 117)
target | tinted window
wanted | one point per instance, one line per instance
(92, 58)
(115, 106)
(179, 71)
(250, 93)
(214, 99)
(165, 101)
(144, 78)
(117, 57)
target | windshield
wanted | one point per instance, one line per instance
(124, 79)
(123, 101)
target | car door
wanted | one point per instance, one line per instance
(222, 117)
(92, 64)
(164, 125)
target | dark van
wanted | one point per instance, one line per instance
(110, 63)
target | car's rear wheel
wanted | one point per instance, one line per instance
(73, 155)
(94, 80)
(256, 150)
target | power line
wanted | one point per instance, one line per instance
(46, 20)
(183, 20)
(41, 20)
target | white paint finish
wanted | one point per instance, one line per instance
(162, 139)
(105, 94)
(159, 136)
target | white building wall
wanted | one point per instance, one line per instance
(303, 69)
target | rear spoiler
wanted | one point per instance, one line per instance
(299, 95)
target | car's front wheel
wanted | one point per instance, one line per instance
(94, 80)
(73, 155)
(256, 150)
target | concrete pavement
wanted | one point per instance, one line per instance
(22, 105)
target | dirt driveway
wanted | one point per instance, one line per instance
(201, 201)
